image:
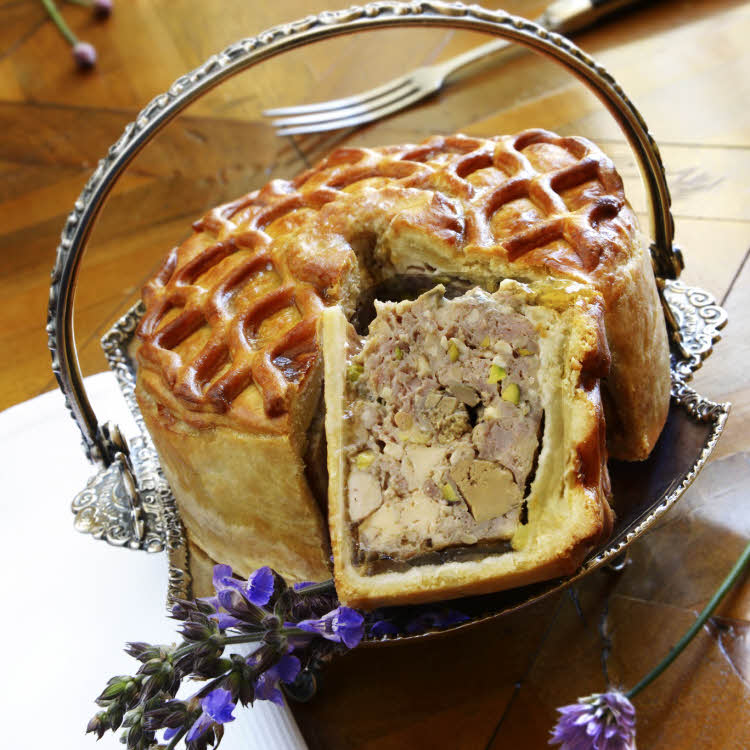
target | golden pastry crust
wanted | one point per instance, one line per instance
(229, 336)
(568, 510)
(217, 476)
(231, 316)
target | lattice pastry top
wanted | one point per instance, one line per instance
(229, 334)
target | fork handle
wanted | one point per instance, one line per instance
(563, 16)
(465, 59)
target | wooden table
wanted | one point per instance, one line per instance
(687, 67)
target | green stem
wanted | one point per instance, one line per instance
(727, 584)
(317, 588)
(177, 738)
(244, 638)
(209, 686)
(296, 631)
(56, 16)
(256, 638)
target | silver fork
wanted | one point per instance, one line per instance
(564, 16)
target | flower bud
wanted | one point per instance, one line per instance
(152, 666)
(115, 714)
(179, 610)
(271, 622)
(141, 651)
(84, 54)
(204, 607)
(102, 8)
(98, 724)
(195, 631)
(134, 735)
(245, 692)
(116, 686)
(168, 713)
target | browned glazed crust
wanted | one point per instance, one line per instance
(231, 316)
(229, 336)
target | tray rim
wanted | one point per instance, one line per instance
(700, 320)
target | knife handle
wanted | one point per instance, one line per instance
(568, 16)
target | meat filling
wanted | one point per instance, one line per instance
(443, 425)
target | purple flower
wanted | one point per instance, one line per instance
(84, 54)
(224, 620)
(223, 578)
(236, 596)
(220, 573)
(102, 8)
(260, 586)
(602, 721)
(267, 685)
(217, 709)
(342, 625)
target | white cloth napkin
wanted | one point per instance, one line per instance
(70, 602)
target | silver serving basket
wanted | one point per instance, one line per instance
(128, 501)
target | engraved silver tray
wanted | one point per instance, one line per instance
(128, 501)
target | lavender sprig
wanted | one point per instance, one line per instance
(606, 721)
(602, 721)
(295, 629)
(84, 53)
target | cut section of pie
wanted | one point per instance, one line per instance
(466, 442)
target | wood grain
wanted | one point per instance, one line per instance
(687, 67)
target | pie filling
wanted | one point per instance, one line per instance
(443, 429)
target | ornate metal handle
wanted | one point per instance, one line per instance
(98, 442)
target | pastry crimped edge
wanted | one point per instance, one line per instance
(568, 504)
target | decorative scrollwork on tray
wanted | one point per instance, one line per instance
(696, 406)
(699, 319)
(99, 504)
(110, 509)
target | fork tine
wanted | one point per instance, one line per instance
(343, 114)
(350, 122)
(344, 102)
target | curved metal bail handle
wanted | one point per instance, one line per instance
(667, 259)
(248, 52)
